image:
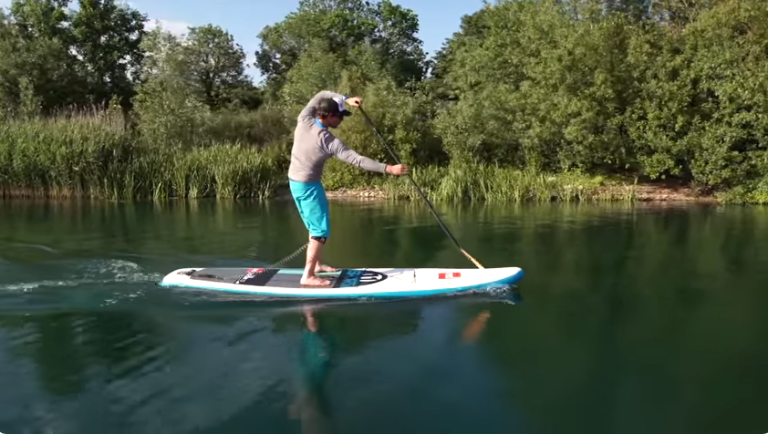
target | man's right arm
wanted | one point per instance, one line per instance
(308, 113)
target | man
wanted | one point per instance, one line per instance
(313, 144)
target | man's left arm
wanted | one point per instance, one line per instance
(341, 151)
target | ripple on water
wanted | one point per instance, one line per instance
(95, 283)
(82, 273)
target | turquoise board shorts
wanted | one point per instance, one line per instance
(312, 203)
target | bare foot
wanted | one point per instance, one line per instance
(315, 281)
(321, 267)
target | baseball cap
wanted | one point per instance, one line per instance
(334, 106)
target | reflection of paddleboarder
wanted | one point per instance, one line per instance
(311, 406)
(475, 327)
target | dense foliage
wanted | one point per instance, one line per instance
(615, 88)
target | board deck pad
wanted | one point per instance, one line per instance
(285, 278)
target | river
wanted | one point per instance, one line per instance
(630, 319)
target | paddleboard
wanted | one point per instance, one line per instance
(345, 283)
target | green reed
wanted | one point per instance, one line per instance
(505, 185)
(95, 155)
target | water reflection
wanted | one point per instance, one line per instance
(311, 405)
(328, 331)
(639, 325)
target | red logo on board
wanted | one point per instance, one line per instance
(452, 275)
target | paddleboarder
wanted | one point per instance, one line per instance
(313, 144)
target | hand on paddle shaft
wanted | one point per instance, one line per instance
(401, 169)
(354, 101)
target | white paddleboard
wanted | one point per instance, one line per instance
(346, 283)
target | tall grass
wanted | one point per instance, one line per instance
(95, 155)
(504, 185)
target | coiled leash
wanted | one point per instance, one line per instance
(252, 272)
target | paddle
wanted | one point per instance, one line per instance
(423, 196)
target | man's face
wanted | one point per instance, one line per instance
(334, 121)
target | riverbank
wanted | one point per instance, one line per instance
(645, 192)
(673, 193)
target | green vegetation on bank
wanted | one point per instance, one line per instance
(528, 100)
(95, 155)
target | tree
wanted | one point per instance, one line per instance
(44, 19)
(35, 47)
(472, 29)
(70, 59)
(680, 13)
(535, 87)
(184, 80)
(107, 38)
(217, 65)
(167, 102)
(343, 28)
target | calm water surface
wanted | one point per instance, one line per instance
(632, 320)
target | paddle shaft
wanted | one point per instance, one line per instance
(423, 196)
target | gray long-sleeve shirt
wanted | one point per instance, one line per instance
(313, 145)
